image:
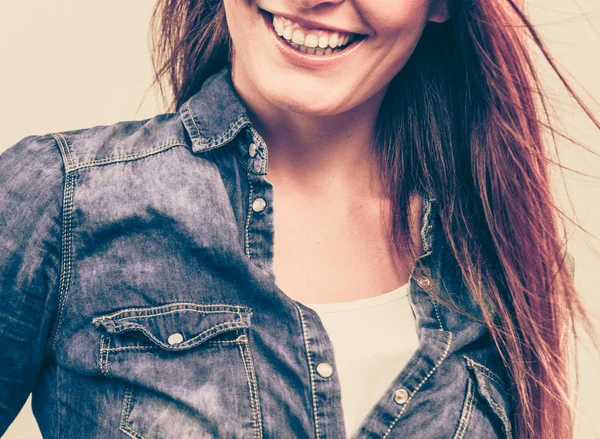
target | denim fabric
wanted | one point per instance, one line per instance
(137, 297)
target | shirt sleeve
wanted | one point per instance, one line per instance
(31, 191)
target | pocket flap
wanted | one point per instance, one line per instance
(492, 389)
(177, 326)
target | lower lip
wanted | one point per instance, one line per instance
(302, 59)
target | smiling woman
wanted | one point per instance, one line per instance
(344, 227)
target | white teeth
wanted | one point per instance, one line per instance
(333, 41)
(311, 40)
(323, 41)
(287, 33)
(310, 43)
(298, 37)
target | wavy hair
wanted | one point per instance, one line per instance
(465, 120)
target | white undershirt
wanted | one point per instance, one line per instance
(373, 339)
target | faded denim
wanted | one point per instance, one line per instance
(137, 297)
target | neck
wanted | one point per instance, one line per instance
(326, 156)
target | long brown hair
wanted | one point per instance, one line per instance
(464, 120)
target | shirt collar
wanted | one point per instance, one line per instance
(215, 114)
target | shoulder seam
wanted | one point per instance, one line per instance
(65, 150)
(70, 166)
(131, 157)
(66, 237)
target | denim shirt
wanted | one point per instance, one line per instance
(138, 299)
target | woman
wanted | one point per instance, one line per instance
(149, 289)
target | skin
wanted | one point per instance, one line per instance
(318, 125)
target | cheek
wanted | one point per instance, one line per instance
(240, 21)
(390, 18)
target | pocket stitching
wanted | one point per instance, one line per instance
(154, 347)
(125, 415)
(504, 417)
(147, 316)
(252, 385)
(104, 353)
(466, 410)
(242, 339)
(133, 348)
(487, 373)
(140, 312)
(182, 345)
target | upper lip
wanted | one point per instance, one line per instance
(312, 24)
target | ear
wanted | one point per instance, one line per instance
(439, 11)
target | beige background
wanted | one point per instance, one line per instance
(68, 64)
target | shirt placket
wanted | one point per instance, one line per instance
(324, 386)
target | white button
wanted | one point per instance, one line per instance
(175, 338)
(325, 370)
(252, 149)
(259, 205)
(401, 396)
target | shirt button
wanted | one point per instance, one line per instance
(252, 149)
(424, 282)
(175, 338)
(259, 205)
(401, 396)
(325, 370)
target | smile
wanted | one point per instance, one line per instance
(311, 41)
(310, 47)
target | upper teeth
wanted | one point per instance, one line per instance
(310, 38)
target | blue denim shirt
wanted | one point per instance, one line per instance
(137, 297)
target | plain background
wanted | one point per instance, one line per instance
(69, 64)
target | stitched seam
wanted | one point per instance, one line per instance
(437, 314)
(132, 348)
(312, 372)
(104, 351)
(466, 411)
(223, 342)
(125, 415)
(437, 364)
(181, 306)
(65, 150)
(129, 157)
(193, 120)
(249, 384)
(502, 414)
(248, 218)
(154, 347)
(493, 379)
(259, 433)
(173, 311)
(233, 129)
(252, 386)
(212, 331)
(67, 250)
(486, 371)
(218, 325)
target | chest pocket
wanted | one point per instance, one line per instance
(486, 410)
(187, 370)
